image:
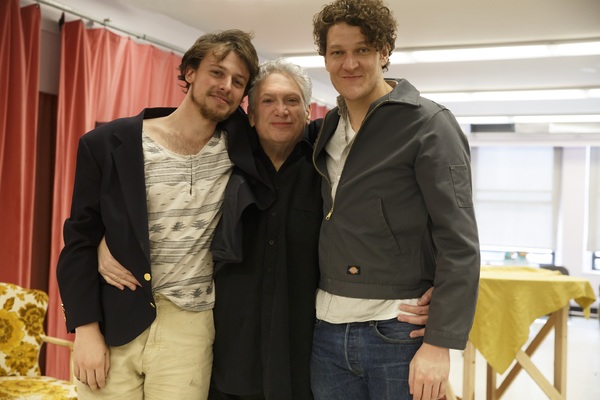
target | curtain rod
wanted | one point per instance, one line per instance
(106, 23)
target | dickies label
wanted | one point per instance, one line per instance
(353, 270)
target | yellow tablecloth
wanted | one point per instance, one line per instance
(511, 298)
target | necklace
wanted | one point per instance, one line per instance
(191, 174)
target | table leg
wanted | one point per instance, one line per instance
(469, 372)
(491, 392)
(560, 351)
(558, 321)
(538, 377)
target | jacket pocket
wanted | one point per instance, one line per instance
(388, 232)
(461, 180)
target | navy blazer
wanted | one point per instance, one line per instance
(109, 199)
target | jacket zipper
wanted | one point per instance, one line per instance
(328, 216)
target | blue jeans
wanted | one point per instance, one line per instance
(362, 360)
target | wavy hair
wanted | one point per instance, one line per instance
(374, 19)
(281, 66)
(221, 44)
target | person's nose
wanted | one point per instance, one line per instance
(225, 85)
(281, 108)
(350, 62)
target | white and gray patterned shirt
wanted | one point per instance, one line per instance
(184, 195)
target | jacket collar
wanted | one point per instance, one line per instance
(402, 92)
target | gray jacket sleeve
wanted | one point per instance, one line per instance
(443, 173)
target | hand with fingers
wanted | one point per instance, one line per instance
(418, 314)
(428, 373)
(112, 271)
(91, 356)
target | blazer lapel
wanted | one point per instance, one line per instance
(129, 164)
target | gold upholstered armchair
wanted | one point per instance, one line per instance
(22, 314)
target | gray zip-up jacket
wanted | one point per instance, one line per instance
(402, 219)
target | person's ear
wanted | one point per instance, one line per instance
(251, 117)
(190, 74)
(385, 55)
(308, 114)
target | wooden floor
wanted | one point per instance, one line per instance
(583, 365)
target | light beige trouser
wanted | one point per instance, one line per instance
(172, 359)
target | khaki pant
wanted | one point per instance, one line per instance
(172, 359)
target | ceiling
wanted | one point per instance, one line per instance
(284, 28)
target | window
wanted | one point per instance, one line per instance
(516, 192)
(594, 208)
(507, 256)
(596, 260)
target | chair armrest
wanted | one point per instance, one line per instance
(65, 343)
(60, 342)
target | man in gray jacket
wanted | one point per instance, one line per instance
(399, 219)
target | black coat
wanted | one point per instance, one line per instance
(266, 276)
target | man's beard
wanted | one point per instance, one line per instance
(211, 114)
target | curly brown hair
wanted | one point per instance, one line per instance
(221, 44)
(374, 19)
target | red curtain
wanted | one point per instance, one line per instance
(103, 76)
(317, 111)
(19, 81)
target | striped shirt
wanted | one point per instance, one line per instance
(184, 195)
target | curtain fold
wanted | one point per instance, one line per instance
(46, 143)
(103, 76)
(19, 82)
